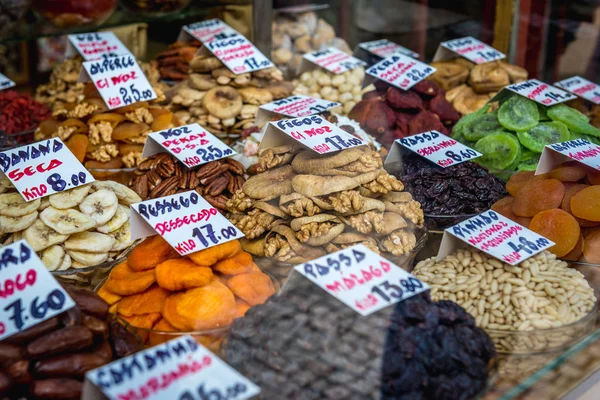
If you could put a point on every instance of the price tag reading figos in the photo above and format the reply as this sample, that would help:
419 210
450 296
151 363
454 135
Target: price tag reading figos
185 220
400 71
473 50
207 31
333 60
190 144
540 92
362 279
180 369
28 292
43 168
5 83
581 87
384 48
95 45
495 235
119 80
294 106
578 150
238 54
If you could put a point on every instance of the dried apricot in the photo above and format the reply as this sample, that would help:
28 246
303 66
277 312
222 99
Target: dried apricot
126 148
254 287
113 118
568 173
77 126
48 127
212 255
131 107
577 251
113 309
518 180
593 177
149 301
78 144
150 253
157 338
538 196
240 263
240 308
504 207
181 273
128 130
162 118
591 248
108 297
144 321
585 204
132 283
560 227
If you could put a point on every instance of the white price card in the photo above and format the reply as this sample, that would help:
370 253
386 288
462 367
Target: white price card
207 31
332 59
43 168
180 369
119 80
435 147
95 45
190 144
362 279
581 87
238 54
400 71
384 48
29 294
469 48
293 106
540 92
578 150
5 83
495 235
314 132
185 220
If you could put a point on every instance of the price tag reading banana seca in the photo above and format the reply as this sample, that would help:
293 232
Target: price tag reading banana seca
362 279
190 144
473 50
5 83
332 59
179 369
578 150
185 220
495 235
435 147
581 87
540 92
293 106
43 168
95 45
238 54
400 71
384 48
29 294
207 31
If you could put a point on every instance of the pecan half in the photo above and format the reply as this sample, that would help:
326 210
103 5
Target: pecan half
235 166
219 201
166 169
217 186
166 186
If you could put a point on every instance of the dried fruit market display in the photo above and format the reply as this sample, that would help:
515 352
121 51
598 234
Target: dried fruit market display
19 113
173 63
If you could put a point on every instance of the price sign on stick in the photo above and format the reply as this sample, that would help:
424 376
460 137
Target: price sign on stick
332 59
581 87
43 168
362 279
471 49
28 292
400 71
540 92
207 31
5 83
95 45
293 106
384 48
185 220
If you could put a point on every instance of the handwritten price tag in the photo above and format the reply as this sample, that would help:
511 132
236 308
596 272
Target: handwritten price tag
190 144
185 220
238 54
473 50
5 83
28 292
119 80
362 279
579 150
333 60
43 168
401 71
581 87
207 31
495 235
179 369
384 48
540 92
95 45
294 106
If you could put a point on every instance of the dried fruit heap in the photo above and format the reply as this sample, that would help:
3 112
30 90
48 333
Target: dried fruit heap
173 63
19 112
156 289
50 359
163 175
305 344
74 229
302 205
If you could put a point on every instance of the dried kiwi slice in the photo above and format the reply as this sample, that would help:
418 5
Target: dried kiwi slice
459 127
499 151
543 110
529 161
591 139
544 133
518 114
573 119
483 125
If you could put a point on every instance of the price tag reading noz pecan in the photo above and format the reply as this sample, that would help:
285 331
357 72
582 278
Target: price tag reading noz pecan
362 279
540 92
43 168
207 31
333 60
581 87
473 50
179 369
28 292
579 150
495 235
5 83
238 54
400 71
190 144
119 80
185 220
95 45
384 48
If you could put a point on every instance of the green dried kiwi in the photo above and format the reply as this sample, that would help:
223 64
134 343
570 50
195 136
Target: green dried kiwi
459 127
529 161
483 125
591 139
499 151
543 110
513 166
573 119
518 114
544 133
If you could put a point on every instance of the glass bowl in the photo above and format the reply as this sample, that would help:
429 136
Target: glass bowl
71 13
155 7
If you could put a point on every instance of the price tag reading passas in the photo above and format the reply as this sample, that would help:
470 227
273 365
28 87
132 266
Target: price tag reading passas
29 294
540 92
334 60
581 87
185 220
43 168
207 31
95 45
238 54
362 279
180 369
400 71
119 80
384 48
473 50
5 83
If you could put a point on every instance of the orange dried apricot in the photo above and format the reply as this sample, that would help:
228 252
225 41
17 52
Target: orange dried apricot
254 287
113 118
560 227
48 127
113 309
212 255
585 204
133 283
77 125
126 148
78 144
591 247
108 297
149 301
144 321
504 207
240 308
131 107
538 196
240 263
568 172
157 338
114 163
128 130
518 180
593 176
569 193
577 251
151 252
90 92
162 118
181 273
